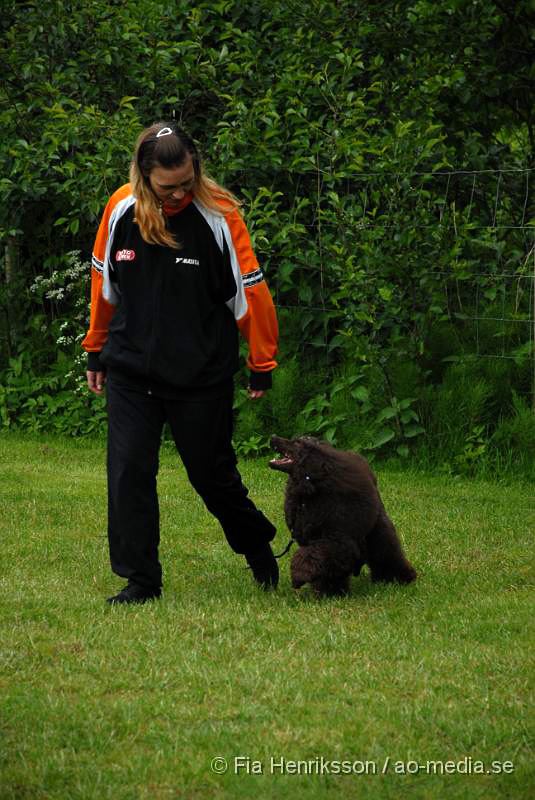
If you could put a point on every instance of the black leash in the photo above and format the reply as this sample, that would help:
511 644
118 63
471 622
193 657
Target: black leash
290 543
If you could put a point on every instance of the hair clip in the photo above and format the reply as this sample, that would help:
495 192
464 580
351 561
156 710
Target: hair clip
164 132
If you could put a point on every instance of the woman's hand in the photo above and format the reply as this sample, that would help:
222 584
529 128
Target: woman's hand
96 381
256 393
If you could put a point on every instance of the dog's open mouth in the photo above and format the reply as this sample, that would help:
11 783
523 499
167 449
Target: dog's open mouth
284 461
281 463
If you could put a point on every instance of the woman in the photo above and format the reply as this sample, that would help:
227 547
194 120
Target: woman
174 279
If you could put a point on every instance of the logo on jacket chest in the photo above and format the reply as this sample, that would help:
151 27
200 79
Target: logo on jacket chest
192 261
125 255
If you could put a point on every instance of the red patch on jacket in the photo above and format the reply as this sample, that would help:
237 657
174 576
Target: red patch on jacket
125 255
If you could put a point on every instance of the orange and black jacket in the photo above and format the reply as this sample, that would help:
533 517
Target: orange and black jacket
172 316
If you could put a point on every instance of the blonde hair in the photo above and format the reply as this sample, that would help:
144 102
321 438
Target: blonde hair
168 150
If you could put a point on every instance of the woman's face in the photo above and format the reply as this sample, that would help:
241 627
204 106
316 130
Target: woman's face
170 185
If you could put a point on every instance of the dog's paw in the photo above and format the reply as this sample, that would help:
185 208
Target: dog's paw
332 588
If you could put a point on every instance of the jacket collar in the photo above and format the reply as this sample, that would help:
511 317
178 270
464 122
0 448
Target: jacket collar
171 210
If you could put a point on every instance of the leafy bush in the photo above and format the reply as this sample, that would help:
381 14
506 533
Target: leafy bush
58 402
514 436
380 159
54 398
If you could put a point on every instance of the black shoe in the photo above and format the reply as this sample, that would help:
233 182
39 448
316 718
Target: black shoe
264 566
134 593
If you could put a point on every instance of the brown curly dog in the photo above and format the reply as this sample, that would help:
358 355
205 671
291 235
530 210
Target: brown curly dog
335 513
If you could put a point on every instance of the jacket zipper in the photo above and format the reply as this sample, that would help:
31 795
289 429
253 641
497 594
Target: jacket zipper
156 274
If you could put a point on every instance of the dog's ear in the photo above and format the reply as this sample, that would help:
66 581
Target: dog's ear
313 464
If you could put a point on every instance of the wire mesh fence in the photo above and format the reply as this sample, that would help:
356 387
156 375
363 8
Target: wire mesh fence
463 239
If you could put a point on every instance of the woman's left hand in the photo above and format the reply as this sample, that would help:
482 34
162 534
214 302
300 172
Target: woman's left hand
256 393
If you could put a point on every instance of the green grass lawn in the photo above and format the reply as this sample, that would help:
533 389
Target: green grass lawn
137 702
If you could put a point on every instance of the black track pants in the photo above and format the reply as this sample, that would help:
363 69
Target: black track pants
202 430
